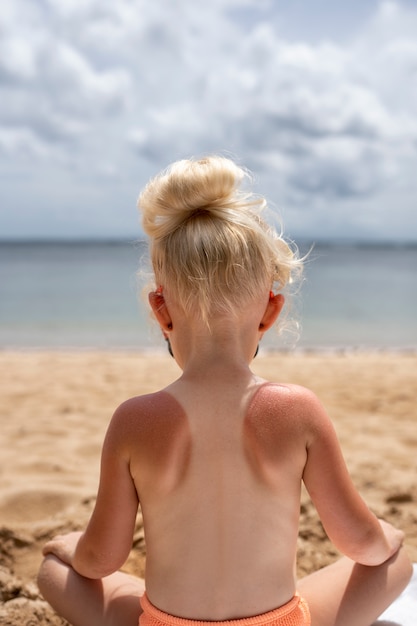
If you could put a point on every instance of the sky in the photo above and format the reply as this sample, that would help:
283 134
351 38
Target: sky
317 98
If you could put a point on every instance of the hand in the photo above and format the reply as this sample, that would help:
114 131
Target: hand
63 547
394 536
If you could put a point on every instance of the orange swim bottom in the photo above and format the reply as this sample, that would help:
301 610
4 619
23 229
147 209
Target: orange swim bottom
294 613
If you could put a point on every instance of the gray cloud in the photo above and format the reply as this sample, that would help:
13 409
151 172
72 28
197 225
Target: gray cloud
100 95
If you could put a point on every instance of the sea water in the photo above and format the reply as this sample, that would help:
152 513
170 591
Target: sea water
87 295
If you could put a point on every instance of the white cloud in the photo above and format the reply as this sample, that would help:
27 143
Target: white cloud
91 88
21 141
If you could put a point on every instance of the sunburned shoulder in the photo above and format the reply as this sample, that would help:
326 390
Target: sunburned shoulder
298 402
143 402
149 427
147 414
290 392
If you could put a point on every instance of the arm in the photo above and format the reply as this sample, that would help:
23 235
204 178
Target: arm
107 540
349 523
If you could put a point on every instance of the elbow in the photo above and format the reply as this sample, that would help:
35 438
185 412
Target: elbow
92 571
96 566
369 550
98 558
376 555
370 558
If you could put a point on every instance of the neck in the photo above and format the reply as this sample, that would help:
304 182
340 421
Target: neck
224 352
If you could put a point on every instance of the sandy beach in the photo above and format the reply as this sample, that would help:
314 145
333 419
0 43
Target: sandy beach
55 407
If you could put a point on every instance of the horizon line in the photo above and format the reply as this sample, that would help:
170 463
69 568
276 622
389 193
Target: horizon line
100 240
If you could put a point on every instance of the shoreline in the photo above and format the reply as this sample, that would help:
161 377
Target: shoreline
156 350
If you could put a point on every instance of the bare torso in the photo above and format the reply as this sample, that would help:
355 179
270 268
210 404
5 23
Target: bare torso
219 477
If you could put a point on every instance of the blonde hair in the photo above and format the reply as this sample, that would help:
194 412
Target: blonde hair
208 241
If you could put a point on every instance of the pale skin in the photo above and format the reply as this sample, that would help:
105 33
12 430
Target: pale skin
219 486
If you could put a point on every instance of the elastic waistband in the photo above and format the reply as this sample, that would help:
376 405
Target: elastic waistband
263 618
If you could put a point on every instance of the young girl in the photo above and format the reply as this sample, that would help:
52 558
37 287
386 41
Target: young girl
216 460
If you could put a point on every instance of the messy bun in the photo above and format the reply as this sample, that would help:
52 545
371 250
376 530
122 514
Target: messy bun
188 188
208 241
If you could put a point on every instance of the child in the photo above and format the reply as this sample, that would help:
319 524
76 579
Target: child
217 459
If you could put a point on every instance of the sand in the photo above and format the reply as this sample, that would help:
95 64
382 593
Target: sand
55 407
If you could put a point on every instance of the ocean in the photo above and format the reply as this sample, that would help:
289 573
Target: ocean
71 295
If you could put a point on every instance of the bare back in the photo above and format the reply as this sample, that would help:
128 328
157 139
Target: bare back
219 483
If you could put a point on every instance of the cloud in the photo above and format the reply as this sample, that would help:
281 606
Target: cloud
102 91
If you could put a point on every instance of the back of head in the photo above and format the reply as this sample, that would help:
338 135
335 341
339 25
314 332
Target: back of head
209 244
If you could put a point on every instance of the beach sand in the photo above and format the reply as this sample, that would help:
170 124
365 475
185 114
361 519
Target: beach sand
55 407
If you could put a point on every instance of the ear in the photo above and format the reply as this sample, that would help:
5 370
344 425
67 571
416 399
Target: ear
273 309
160 310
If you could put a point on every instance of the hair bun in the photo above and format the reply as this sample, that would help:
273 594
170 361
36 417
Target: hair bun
187 187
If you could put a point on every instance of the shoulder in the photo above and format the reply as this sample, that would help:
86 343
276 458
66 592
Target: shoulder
293 397
141 408
290 404
154 433
147 417
277 427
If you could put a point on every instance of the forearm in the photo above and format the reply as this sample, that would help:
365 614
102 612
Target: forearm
77 550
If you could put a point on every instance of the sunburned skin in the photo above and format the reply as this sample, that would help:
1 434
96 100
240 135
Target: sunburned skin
242 524
160 446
